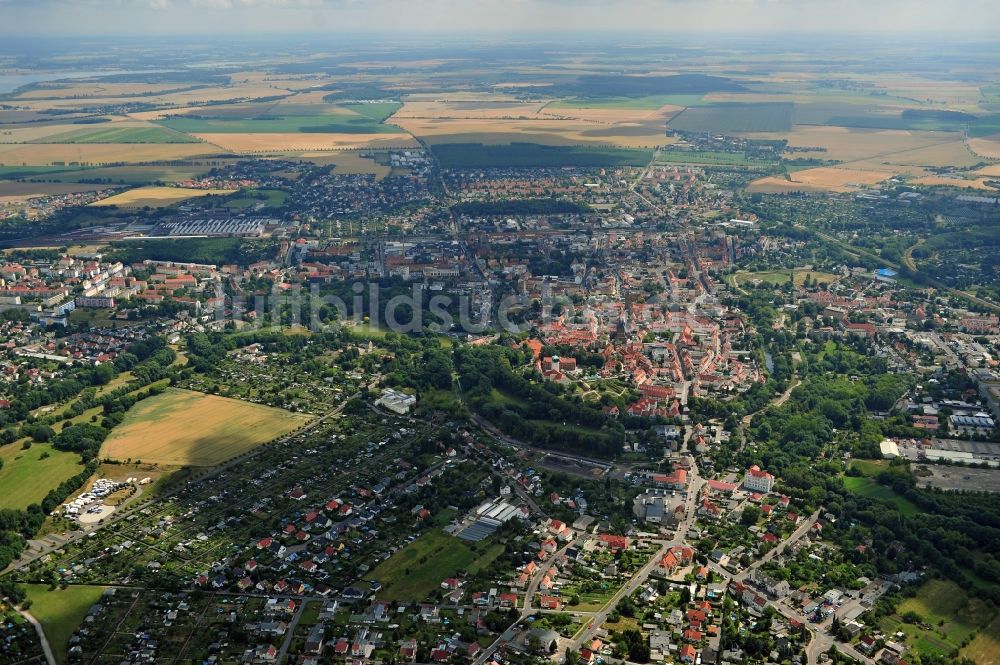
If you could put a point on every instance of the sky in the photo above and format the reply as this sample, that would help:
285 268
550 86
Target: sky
747 17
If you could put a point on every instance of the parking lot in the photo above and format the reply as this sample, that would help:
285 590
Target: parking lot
960 478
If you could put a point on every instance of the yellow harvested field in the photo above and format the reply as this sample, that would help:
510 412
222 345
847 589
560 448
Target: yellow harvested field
45 154
156 197
24 134
160 114
550 132
851 144
820 179
615 116
932 180
469 109
295 141
951 153
348 161
460 97
988 147
84 89
991 170
186 428
179 99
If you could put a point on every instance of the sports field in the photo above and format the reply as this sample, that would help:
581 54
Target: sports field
28 475
60 611
420 567
187 428
156 197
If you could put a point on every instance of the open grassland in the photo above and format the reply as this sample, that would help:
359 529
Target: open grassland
61 611
157 197
821 179
984 649
28 475
101 154
254 143
871 489
414 571
185 428
948 616
781 277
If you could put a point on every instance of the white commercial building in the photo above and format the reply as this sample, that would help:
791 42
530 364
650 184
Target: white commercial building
757 480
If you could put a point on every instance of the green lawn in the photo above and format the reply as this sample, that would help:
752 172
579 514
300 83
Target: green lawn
420 567
61 611
26 478
871 489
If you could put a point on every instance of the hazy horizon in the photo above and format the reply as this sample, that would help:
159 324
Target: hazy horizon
739 18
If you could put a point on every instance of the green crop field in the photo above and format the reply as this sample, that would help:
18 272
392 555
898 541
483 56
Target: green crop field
420 567
342 123
732 117
478 155
28 475
871 489
121 135
377 111
60 611
708 157
186 428
651 102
